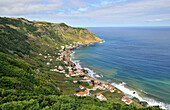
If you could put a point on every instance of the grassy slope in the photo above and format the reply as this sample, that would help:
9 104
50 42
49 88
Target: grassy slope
25 78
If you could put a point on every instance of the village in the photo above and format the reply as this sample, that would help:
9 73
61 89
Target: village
95 88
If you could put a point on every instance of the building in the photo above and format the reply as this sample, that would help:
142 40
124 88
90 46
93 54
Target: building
90 83
95 81
54 70
81 87
67 75
94 88
75 81
100 96
89 79
63 71
102 88
123 99
62 47
87 92
60 67
80 94
112 90
128 102
97 86
73 75
85 77
109 87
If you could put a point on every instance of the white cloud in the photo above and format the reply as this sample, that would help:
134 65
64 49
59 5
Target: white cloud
24 7
87 12
155 20
128 12
158 20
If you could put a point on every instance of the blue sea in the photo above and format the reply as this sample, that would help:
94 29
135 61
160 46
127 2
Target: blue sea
134 58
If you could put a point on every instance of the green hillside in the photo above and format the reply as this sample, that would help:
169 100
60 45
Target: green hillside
26 82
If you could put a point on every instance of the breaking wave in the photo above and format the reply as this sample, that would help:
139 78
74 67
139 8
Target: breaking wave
130 92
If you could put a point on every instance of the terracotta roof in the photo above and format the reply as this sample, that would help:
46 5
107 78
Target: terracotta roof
81 86
98 94
128 101
111 89
108 87
96 85
89 82
86 91
80 93
123 99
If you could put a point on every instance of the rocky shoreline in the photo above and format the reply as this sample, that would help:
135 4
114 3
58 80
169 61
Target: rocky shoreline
124 99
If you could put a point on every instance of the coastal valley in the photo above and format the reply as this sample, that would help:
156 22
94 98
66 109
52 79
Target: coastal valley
37 72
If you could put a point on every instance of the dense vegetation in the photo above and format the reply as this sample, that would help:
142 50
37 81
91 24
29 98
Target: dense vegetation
25 79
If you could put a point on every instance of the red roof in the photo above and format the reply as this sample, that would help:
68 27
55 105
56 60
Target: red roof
80 93
128 101
81 86
95 80
123 99
108 87
86 91
98 94
111 89
96 85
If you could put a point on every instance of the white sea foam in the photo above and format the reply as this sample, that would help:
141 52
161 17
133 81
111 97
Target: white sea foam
77 63
128 91
91 73
98 76
103 41
72 55
121 86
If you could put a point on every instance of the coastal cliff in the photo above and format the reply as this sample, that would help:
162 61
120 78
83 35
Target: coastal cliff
27 35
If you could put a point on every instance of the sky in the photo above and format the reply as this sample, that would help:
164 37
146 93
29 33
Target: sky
91 13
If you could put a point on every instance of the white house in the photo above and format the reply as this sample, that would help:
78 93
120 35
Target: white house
73 75
81 87
67 75
48 63
128 102
62 47
74 81
60 67
80 94
54 70
123 99
100 96
112 90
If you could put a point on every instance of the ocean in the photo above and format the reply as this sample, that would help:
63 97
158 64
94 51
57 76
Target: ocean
136 59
